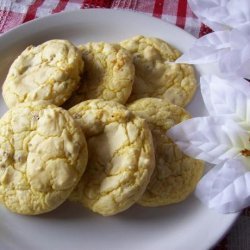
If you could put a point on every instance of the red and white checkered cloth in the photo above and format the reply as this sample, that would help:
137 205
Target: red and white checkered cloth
15 12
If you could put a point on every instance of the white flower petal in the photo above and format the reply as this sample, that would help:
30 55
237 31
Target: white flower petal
226 187
212 139
229 97
221 14
236 62
207 49
210 12
238 13
240 37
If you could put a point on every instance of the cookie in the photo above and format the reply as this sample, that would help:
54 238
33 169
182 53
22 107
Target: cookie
175 175
156 74
43 154
121 156
51 71
109 74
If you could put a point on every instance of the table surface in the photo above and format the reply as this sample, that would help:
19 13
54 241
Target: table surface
177 12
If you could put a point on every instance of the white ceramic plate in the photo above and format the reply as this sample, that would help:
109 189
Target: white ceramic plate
185 226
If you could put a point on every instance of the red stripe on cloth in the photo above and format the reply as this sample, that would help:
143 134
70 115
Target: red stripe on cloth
181 13
87 4
31 12
97 4
204 30
158 8
60 6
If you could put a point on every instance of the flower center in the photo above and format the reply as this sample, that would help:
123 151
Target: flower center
245 152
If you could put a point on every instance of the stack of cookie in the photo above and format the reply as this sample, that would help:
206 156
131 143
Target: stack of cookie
106 147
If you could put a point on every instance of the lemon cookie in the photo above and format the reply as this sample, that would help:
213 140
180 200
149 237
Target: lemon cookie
43 154
176 174
121 156
109 73
51 71
156 74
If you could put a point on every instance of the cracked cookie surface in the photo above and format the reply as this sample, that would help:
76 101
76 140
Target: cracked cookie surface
175 175
109 73
43 154
156 74
121 156
50 71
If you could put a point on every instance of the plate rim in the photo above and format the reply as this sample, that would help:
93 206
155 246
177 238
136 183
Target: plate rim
81 11
24 26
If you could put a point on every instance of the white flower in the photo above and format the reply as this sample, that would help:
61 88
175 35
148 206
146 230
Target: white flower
223 139
229 44
221 14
